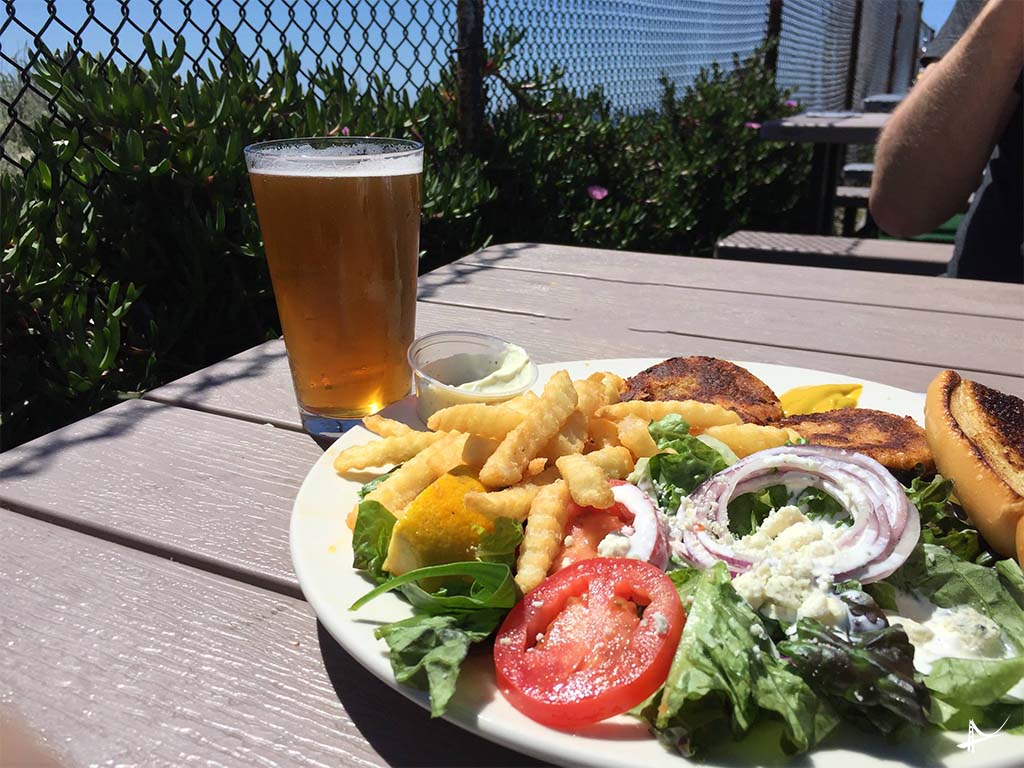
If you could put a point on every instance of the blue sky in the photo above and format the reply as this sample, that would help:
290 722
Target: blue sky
425 23
936 11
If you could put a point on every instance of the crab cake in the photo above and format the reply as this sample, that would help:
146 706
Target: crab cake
708 380
898 443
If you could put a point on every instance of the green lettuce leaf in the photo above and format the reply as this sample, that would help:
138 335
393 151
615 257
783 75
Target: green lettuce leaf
724 678
968 689
868 677
674 475
938 575
499 545
371 538
944 522
427 651
370 486
666 430
749 510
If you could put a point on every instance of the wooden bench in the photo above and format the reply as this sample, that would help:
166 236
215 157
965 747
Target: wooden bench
858 173
840 252
852 200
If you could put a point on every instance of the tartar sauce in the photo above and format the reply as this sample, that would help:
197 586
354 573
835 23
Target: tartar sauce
512 372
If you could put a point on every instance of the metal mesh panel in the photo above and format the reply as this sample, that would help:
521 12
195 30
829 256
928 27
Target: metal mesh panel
814 51
874 56
405 39
624 46
908 49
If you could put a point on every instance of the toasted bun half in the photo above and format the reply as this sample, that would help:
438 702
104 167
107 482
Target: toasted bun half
976 435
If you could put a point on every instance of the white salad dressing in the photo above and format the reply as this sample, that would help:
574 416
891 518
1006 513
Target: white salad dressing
962 632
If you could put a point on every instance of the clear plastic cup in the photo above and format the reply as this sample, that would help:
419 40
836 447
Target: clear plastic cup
443 361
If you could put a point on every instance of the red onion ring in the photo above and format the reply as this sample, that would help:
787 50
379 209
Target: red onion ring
886 525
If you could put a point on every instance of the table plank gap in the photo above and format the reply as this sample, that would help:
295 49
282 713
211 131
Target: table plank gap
177 554
157 396
699 287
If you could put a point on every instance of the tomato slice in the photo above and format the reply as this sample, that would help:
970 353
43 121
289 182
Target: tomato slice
592 641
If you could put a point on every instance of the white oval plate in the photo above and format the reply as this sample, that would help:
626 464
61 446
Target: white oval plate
321 546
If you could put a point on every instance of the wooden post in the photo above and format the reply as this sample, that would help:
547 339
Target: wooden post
851 74
915 48
773 35
895 47
470 21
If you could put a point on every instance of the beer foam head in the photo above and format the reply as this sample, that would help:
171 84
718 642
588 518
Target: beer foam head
335 157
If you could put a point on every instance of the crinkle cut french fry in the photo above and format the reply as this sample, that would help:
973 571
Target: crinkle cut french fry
506 465
635 435
390 450
587 482
571 438
478 450
616 461
745 439
590 395
511 502
698 415
399 489
493 421
523 404
542 538
385 427
603 433
611 386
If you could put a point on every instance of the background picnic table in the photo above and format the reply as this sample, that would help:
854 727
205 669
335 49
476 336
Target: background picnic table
151 613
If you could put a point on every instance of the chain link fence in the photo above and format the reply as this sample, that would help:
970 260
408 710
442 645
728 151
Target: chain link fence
622 46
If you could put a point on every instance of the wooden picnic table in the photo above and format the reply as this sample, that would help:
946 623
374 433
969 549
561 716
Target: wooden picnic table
151 614
830 133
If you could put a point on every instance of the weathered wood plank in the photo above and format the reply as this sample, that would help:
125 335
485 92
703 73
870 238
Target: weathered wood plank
856 128
970 297
207 490
928 338
267 396
115 657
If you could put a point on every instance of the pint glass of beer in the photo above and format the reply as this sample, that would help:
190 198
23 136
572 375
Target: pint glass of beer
341 221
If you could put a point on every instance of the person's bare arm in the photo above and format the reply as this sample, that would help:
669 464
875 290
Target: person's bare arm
932 152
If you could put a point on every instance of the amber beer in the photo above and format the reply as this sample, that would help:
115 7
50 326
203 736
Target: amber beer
340 221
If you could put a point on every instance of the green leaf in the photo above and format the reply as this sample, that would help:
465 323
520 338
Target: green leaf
499 545
45 177
674 475
370 486
107 161
867 677
490 586
727 675
371 537
427 652
944 522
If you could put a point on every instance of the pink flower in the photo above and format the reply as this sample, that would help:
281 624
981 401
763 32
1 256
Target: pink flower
597 192
752 126
344 131
790 103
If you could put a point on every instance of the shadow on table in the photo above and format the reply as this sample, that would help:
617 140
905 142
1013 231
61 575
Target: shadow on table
400 731
460 271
